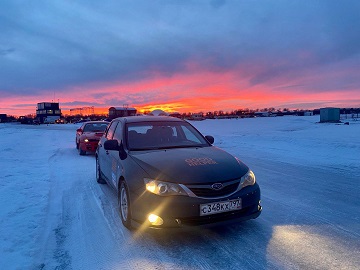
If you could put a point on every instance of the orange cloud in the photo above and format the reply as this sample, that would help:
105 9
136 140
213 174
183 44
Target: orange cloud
194 90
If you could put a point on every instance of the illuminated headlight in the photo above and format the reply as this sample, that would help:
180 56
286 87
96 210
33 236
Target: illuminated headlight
163 188
86 140
248 179
155 220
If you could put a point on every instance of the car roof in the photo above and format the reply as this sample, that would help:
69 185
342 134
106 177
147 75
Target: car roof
96 122
137 119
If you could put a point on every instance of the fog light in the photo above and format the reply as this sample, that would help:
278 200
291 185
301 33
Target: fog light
155 220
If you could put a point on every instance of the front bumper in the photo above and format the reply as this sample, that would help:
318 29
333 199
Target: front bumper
89 146
181 211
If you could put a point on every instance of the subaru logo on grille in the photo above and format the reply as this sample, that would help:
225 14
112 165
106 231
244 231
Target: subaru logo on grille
217 186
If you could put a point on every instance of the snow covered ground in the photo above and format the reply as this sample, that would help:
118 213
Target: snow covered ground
53 214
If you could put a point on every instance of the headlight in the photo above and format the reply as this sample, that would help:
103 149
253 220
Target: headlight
163 188
248 179
86 140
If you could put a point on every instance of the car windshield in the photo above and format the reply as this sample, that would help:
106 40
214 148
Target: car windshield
161 135
95 127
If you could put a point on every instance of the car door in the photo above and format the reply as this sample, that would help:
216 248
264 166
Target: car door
104 155
115 161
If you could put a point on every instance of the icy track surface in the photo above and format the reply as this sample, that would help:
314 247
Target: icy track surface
53 214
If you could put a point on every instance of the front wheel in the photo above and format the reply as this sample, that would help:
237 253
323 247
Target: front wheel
124 205
81 152
99 178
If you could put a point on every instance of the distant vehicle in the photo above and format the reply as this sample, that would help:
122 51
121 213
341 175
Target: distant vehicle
51 119
60 121
167 174
88 136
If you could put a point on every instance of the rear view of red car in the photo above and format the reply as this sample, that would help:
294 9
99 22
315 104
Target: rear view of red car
88 136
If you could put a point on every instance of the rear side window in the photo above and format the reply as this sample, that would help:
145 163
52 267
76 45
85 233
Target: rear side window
111 130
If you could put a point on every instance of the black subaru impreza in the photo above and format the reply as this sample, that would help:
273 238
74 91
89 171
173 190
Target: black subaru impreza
167 174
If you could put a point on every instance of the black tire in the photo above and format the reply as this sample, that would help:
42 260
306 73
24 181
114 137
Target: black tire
124 205
77 145
99 178
82 152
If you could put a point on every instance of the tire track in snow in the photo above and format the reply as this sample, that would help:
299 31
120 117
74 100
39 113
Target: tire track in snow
81 238
54 254
139 251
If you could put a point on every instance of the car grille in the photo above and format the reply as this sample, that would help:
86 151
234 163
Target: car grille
206 191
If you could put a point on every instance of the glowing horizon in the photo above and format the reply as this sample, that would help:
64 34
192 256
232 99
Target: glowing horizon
195 91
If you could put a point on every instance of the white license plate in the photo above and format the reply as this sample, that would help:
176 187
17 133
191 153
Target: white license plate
220 207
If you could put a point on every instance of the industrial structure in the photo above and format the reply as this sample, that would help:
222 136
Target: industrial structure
82 111
48 112
115 112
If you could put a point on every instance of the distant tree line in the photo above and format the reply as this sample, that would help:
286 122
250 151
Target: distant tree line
240 113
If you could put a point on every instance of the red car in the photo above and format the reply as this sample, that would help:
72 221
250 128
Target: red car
88 136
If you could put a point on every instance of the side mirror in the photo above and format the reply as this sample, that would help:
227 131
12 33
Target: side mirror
114 145
111 145
210 139
79 130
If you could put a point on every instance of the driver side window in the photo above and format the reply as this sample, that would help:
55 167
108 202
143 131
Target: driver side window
110 131
118 133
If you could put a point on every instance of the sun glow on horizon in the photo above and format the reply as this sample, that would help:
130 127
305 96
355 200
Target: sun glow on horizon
195 91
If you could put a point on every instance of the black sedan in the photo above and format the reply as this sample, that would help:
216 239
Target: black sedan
167 174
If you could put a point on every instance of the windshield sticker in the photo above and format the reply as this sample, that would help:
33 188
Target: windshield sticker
200 161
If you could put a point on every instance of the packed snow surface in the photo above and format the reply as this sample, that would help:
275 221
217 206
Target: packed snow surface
53 214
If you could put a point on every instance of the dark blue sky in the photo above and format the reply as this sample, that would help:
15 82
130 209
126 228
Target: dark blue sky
304 53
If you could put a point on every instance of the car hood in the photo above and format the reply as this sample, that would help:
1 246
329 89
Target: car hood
190 165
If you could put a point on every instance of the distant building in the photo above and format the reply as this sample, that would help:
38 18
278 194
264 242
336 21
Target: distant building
158 113
262 114
48 112
176 114
329 115
3 118
115 112
196 117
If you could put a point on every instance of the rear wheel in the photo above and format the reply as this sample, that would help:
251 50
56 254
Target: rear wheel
99 178
124 205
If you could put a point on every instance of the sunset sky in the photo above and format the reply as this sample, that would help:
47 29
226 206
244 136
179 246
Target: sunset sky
182 56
